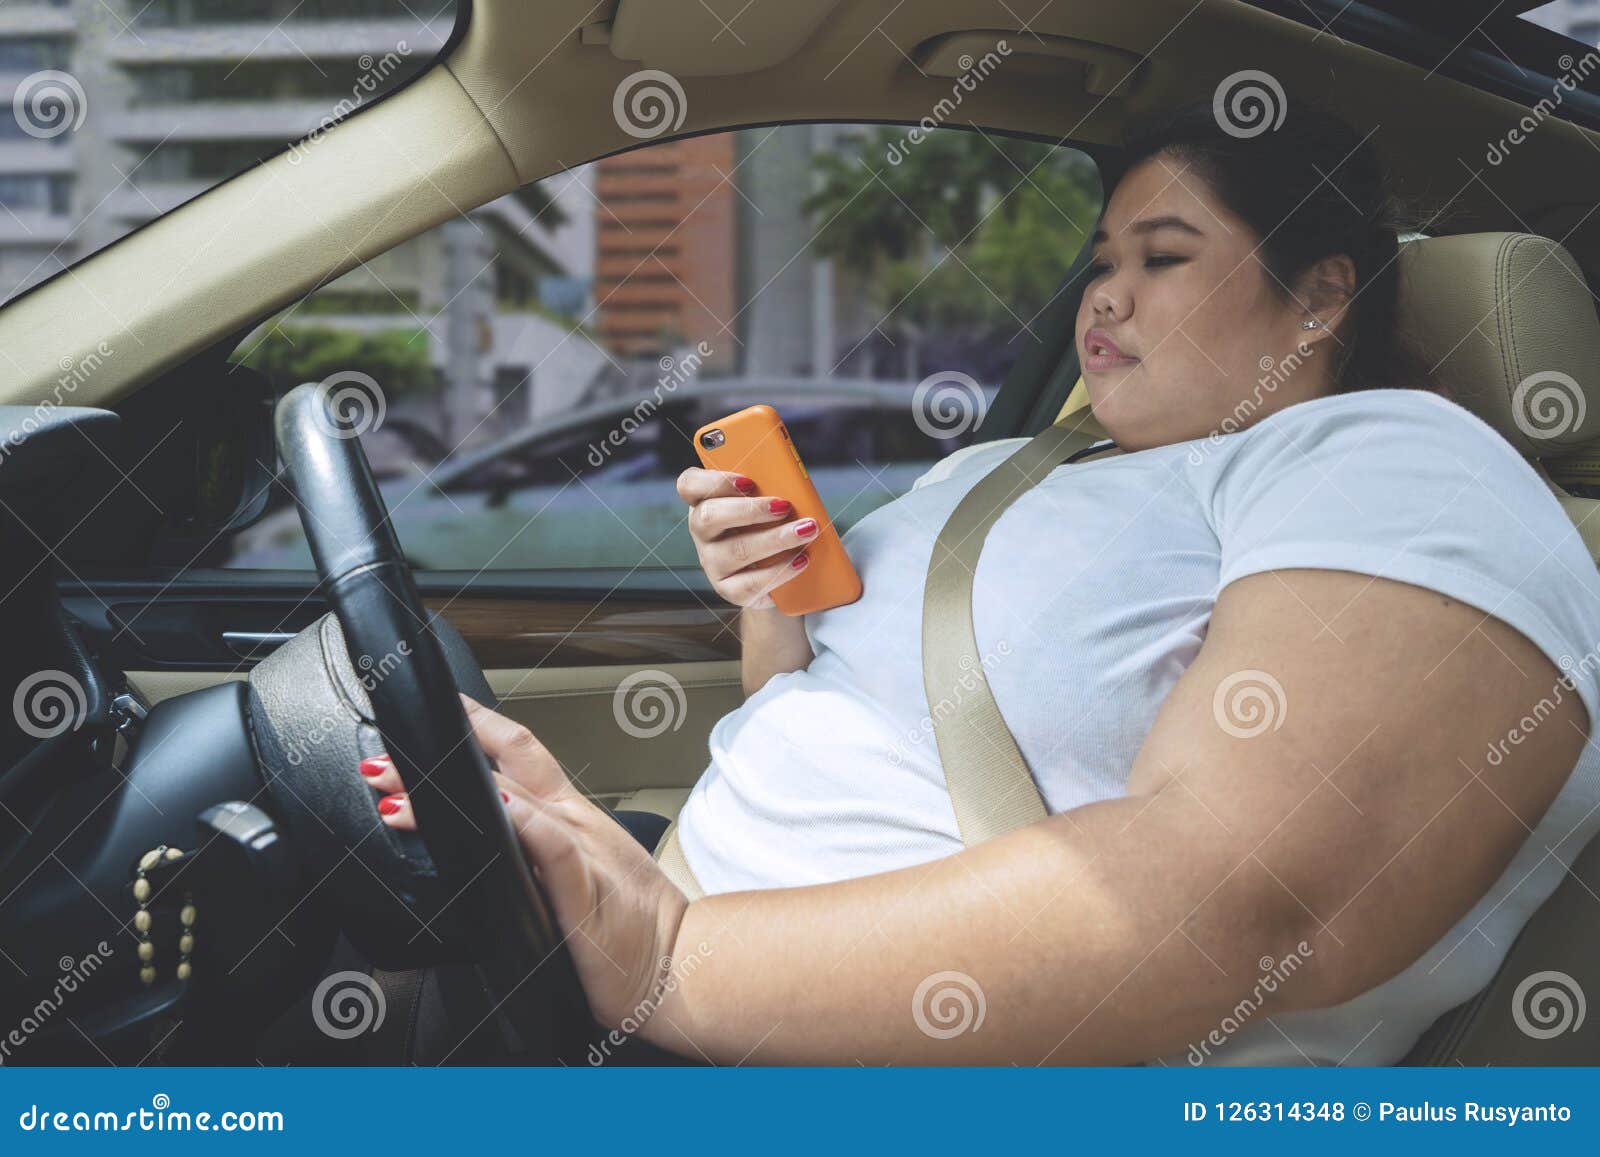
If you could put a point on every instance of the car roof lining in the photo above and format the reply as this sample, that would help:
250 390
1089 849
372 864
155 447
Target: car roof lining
528 91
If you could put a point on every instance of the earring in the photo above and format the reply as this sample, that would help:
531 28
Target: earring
1312 324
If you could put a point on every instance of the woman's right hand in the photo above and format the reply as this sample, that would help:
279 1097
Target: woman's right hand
747 545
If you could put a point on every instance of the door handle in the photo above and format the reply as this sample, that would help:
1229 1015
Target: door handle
255 644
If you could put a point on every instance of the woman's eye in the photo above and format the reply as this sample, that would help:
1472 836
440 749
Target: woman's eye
1161 260
1098 269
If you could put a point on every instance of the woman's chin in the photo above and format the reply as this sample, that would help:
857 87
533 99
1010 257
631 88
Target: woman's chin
1114 407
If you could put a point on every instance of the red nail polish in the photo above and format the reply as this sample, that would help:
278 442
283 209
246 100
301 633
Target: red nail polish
505 797
745 484
798 561
780 506
374 766
390 804
806 527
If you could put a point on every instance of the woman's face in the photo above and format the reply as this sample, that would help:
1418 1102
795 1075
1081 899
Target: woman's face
1180 332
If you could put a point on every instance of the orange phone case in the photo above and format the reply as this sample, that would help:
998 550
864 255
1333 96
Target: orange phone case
758 446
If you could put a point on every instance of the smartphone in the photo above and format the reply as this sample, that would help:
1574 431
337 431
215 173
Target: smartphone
754 442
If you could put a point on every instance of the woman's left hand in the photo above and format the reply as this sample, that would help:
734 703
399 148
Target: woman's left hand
619 912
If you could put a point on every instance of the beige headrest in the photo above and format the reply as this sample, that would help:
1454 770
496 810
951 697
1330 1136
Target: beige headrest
1508 325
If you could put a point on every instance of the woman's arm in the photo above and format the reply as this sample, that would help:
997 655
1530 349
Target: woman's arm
1319 784
1349 819
770 643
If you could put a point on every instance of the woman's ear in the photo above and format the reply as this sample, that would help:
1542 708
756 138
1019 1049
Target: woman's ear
1324 296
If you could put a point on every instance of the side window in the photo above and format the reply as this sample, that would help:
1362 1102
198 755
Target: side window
528 376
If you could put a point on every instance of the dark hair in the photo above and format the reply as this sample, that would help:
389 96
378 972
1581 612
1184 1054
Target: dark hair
1310 188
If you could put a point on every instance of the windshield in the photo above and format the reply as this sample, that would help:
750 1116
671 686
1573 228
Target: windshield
123 109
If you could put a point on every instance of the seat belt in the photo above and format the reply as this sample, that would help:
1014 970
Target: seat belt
991 788
670 858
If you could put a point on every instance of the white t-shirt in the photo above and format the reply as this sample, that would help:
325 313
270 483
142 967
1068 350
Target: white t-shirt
1092 596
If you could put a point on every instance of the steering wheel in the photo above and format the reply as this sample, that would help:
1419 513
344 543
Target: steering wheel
459 889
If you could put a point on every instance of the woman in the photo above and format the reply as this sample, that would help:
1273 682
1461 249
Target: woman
1368 565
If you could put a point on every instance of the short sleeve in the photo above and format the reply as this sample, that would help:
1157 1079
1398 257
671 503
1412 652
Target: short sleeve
1405 485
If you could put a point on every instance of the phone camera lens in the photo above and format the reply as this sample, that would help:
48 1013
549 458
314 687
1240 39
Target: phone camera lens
711 439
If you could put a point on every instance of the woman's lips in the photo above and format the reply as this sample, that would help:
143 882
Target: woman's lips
1101 353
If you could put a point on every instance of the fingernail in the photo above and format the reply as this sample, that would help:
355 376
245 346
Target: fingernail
806 527
798 561
780 506
745 484
374 766
390 804
505 797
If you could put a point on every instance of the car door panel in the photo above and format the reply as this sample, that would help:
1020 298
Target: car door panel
623 686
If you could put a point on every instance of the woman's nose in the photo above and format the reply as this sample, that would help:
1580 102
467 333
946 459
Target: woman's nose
1109 303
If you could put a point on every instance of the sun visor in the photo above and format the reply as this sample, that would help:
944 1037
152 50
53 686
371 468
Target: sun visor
1107 71
714 37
